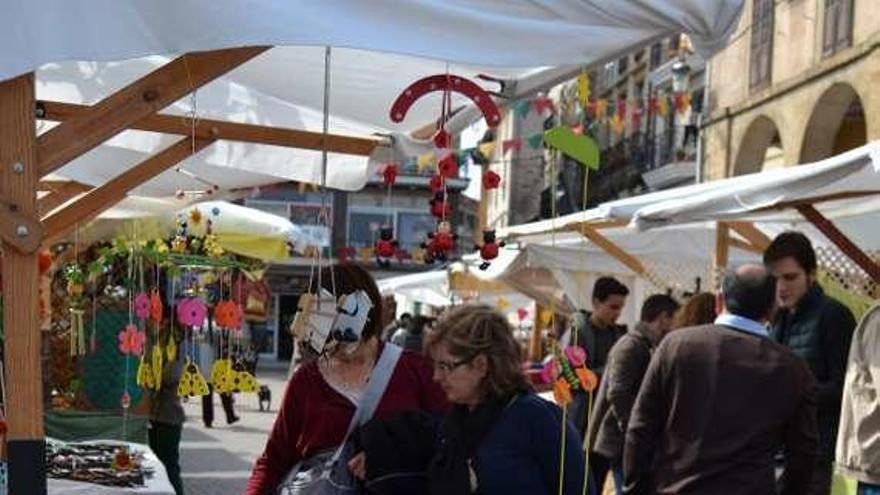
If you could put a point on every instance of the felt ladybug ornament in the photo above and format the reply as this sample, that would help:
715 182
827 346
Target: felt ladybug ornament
386 247
440 207
436 183
389 174
491 180
440 243
447 166
489 250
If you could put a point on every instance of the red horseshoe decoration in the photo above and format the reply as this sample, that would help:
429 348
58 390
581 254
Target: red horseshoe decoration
443 82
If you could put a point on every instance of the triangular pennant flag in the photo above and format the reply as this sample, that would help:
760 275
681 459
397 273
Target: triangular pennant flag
522 108
581 148
536 140
618 124
487 149
425 160
652 106
601 108
583 88
637 117
464 155
682 102
663 106
511 144
542 104
621 108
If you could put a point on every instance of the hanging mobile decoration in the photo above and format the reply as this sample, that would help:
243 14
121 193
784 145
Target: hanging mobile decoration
440 206
436 183
386 247
75 288
440 243
490 248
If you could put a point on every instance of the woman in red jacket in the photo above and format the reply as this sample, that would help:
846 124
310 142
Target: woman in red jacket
322 395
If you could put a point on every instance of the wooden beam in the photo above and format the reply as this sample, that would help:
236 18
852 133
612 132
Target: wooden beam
536 336
105 196
60 194
229 131
26 445
55 185
751 233
613 249
722 250
139 99
840 239
745 246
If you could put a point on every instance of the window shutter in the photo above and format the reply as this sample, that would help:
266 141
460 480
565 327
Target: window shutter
843 38
830 26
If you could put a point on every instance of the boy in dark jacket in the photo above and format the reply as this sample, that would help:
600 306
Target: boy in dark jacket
817 328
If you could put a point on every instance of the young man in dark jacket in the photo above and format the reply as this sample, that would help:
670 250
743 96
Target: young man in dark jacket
627 363
818 329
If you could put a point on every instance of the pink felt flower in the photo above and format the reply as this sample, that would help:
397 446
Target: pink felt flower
191 312
131 340
548 374
142 306
576 355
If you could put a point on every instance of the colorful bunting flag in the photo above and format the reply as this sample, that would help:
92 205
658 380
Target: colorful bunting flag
425 160
487 149
601 109
536 140
663 106
522 108
511 144
621 108
583 89
618 125
542 104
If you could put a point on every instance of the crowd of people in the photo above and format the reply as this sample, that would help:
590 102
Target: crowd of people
731 393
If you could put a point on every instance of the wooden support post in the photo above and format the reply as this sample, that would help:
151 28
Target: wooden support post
105 196
19 174
722 251
613 249
751 233
228 131
745 246
139 99
840 240
535 348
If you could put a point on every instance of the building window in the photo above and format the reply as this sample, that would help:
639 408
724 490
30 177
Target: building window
413 229
622 65
363 227
761 61
837 34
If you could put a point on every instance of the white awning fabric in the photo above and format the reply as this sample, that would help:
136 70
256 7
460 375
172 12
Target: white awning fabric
83 51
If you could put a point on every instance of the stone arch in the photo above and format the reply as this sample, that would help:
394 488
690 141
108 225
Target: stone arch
760 146
837 124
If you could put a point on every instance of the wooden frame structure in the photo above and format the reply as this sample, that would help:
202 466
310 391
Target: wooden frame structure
27 223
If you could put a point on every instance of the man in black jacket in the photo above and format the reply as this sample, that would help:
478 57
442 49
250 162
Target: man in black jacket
627 363
817 328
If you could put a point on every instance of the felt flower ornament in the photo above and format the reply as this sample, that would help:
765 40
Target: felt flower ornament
549 372
228 315
155 306
576 355
491 180
131 340
191 312
142 306
448 166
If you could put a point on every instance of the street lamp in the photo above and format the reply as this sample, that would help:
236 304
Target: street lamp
681 75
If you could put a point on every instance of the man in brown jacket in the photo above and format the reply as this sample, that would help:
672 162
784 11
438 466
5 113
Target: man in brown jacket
719 401
627 363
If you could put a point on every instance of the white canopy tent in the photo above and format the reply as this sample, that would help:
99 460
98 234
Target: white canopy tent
380 48
82 43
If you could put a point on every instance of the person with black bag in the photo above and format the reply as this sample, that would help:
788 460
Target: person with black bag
327 399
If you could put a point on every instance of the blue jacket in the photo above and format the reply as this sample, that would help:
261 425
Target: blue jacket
521 453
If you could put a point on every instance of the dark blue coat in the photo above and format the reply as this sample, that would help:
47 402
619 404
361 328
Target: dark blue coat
521 453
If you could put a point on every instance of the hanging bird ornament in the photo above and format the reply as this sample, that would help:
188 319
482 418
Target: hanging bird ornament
490 248
440 243
386 247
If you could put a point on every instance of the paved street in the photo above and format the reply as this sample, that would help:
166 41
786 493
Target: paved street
218 461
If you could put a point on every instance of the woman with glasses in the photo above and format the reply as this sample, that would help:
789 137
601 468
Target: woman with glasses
499 438
323 394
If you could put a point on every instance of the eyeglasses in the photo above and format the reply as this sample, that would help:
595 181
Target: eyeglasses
445 367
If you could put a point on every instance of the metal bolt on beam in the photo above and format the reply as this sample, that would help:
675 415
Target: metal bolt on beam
22 231
18 167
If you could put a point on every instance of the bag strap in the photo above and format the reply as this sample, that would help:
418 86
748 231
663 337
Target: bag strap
376 386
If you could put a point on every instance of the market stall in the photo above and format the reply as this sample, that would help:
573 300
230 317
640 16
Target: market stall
93 106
